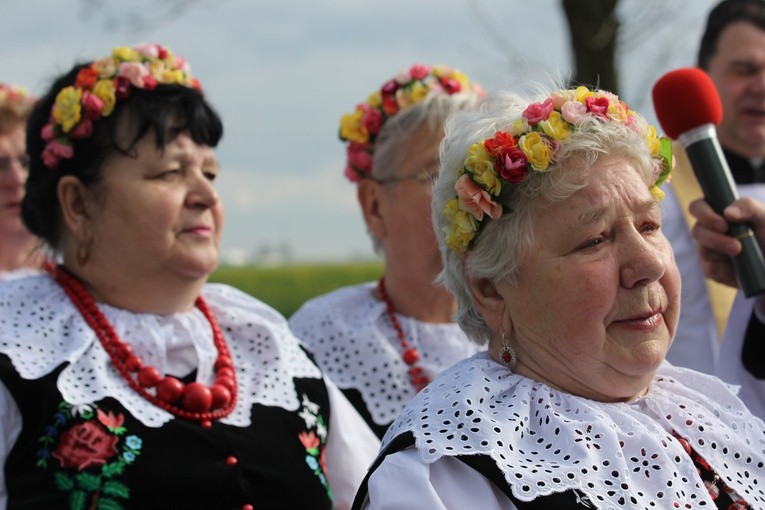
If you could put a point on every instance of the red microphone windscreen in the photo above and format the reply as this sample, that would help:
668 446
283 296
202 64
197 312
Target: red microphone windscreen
685 99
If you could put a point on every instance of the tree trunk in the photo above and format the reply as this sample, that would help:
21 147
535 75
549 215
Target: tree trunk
594 28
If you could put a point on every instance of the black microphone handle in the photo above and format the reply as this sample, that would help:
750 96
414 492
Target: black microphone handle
713 174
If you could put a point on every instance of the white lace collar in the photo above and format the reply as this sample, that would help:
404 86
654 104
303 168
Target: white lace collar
40 329
19 273
351 337
546 441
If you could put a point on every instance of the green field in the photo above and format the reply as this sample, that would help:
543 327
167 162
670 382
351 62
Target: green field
287 287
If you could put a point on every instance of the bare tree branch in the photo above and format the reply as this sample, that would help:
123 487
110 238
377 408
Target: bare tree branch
139 15
635 38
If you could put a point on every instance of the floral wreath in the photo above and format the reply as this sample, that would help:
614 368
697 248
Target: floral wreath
16 99
100 85
530 144
406 89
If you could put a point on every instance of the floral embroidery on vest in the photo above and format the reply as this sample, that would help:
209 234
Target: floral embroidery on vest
314 440
89 451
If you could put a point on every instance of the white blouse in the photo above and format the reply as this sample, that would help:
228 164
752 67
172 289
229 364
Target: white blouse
40 329
696 342
730 367
350 334
546 441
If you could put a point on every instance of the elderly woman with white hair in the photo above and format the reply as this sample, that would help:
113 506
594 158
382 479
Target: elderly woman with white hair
548 210
382 342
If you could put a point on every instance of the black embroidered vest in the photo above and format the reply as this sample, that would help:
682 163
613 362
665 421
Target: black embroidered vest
100 457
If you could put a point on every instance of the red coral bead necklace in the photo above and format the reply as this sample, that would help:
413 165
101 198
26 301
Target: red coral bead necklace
193 401
410 356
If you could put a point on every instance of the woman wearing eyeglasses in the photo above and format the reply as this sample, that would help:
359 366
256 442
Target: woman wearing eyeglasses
18 247
382 342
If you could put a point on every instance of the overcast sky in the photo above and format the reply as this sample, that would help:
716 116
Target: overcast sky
281 73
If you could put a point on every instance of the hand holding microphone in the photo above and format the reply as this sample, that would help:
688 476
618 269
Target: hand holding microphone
710 232
688 108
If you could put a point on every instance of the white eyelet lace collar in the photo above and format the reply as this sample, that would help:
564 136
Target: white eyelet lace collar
40 329
349 333
546 441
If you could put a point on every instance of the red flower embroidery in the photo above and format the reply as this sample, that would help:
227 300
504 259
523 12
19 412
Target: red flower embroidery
85 445
109 420
309 440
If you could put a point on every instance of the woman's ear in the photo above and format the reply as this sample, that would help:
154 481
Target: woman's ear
490 304
370 198
75 200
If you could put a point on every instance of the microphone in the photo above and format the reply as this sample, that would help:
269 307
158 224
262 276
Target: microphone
688 108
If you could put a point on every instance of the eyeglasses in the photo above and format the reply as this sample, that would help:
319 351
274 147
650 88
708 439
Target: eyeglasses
7 161
423 177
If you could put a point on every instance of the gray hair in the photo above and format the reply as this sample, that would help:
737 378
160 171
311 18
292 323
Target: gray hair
498 250
429 114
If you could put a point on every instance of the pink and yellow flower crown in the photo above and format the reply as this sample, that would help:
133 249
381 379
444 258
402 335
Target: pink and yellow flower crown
360 128
530 144
15 99
100 85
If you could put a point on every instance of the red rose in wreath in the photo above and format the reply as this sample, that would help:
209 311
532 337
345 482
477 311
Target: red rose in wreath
84 445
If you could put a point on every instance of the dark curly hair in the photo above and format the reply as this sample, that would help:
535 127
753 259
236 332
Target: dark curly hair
167 111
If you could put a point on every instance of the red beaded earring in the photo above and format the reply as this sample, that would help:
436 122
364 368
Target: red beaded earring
507 355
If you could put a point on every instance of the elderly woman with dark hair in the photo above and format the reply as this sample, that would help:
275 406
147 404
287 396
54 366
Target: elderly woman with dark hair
548 210
382 342
127 381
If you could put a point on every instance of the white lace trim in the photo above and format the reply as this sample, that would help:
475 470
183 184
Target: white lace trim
40 329
19 273
350 335
620 455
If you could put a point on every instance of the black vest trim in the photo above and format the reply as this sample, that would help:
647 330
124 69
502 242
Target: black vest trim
401 442
753 350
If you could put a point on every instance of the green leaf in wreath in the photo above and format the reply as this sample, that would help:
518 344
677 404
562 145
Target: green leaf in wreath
78 500
88 481
63 481
109 504
116 489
